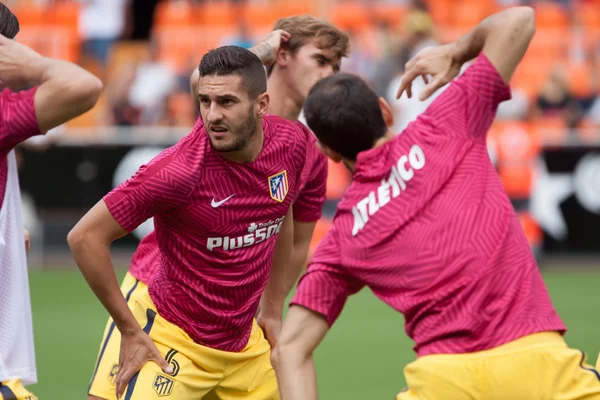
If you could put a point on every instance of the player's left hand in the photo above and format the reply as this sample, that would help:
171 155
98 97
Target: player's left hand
271 326
438 61
27 240
272 43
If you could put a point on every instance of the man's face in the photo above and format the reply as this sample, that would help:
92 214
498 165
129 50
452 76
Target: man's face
227 111
309 65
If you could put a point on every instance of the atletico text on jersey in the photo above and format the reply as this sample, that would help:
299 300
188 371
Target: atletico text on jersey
307 207
427 225
216 224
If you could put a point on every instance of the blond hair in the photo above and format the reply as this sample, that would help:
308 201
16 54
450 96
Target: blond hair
306 28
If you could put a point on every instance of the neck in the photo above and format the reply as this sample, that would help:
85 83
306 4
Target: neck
252 149
282 101
351 164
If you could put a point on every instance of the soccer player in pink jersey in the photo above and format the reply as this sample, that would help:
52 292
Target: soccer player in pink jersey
312 49
219 198
61 92
428 227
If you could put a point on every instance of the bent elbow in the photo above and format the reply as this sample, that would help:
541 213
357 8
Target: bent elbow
90 90
525 18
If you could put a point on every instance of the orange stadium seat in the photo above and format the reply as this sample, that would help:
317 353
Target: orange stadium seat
441 11
392 14
517 179
551 15
349 14
217 13
532 230
173 14
552 129
65 14
466 14
580 79
30 15
260 14
181 108
321 228
530 76
287 8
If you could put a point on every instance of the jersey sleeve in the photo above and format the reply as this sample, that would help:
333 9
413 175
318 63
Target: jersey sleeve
19 121
468 106
157 187
325 287
308 206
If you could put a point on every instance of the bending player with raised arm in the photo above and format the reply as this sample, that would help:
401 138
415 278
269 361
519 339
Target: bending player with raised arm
221 201
312 49
428 227
61 91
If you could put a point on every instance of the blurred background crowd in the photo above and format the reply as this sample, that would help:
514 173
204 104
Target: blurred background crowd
145 50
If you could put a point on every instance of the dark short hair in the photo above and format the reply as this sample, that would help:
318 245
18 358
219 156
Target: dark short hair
9 24
344 113
235 60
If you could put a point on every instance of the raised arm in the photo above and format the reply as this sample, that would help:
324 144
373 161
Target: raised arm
65 90
503 38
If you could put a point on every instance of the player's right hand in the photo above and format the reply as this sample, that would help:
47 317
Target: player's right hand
439 62
136 350
273 41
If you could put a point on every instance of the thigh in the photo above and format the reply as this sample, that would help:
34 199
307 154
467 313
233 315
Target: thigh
574 378
14 390
443 377
190 379
250 375
556 372
256 380
102 383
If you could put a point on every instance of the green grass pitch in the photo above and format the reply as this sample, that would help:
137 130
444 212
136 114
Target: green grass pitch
362 358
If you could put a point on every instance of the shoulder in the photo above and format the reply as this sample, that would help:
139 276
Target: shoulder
284 128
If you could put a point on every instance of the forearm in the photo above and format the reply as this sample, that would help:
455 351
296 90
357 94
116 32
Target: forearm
515 25
94 260
296 377
263 50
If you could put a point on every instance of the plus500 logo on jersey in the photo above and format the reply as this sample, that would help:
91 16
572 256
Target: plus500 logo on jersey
257 233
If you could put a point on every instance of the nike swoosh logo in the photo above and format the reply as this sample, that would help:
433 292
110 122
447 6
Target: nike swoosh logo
216 204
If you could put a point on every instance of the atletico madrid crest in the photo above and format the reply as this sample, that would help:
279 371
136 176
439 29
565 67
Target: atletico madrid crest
278 186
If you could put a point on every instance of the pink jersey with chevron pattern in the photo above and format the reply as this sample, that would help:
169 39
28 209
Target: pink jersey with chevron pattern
428 227
216 224
307 207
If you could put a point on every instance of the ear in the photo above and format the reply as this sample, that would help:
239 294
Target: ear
386 111
334 156
262 103
283 57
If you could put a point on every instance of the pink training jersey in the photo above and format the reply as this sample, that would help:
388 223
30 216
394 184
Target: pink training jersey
428 227
216 225
307 207
18 124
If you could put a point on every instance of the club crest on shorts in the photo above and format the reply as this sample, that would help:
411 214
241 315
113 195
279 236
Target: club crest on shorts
162 385
278 186
112 376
